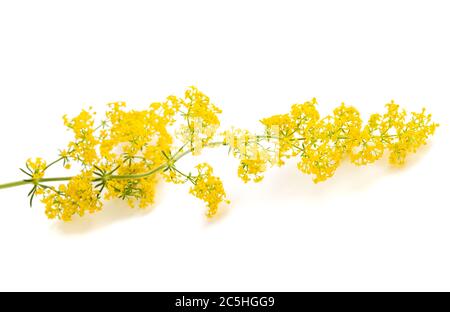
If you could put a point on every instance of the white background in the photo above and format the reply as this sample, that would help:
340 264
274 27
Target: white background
370 228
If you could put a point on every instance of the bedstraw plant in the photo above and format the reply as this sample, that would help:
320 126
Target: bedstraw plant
128 152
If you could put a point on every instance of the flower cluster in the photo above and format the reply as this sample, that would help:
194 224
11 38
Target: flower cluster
83 147
36 168
128 152
253 154
208 188
77 197
201 119
320 144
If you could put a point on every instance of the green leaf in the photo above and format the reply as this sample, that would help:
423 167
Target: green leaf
117 168
101 170
31 199
165 155
32 191
25 172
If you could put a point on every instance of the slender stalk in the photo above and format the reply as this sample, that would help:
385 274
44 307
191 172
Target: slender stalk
113 177
14 184
52 179
138 176
30 181
55 162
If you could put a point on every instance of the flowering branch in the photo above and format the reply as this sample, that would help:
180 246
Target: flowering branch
128 153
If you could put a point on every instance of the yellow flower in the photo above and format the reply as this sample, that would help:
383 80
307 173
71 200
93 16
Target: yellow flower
409 135
200 106
282 128
76 198
321 161
37 168
201 118
254 157
84 146
305 116
141 191
346 127
322 143
252 169
209 189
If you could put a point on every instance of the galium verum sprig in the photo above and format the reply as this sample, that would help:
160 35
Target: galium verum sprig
127 153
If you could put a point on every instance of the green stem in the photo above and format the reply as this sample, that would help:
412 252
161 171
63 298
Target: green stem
53 163
138 176
29 181
14 184
113 177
